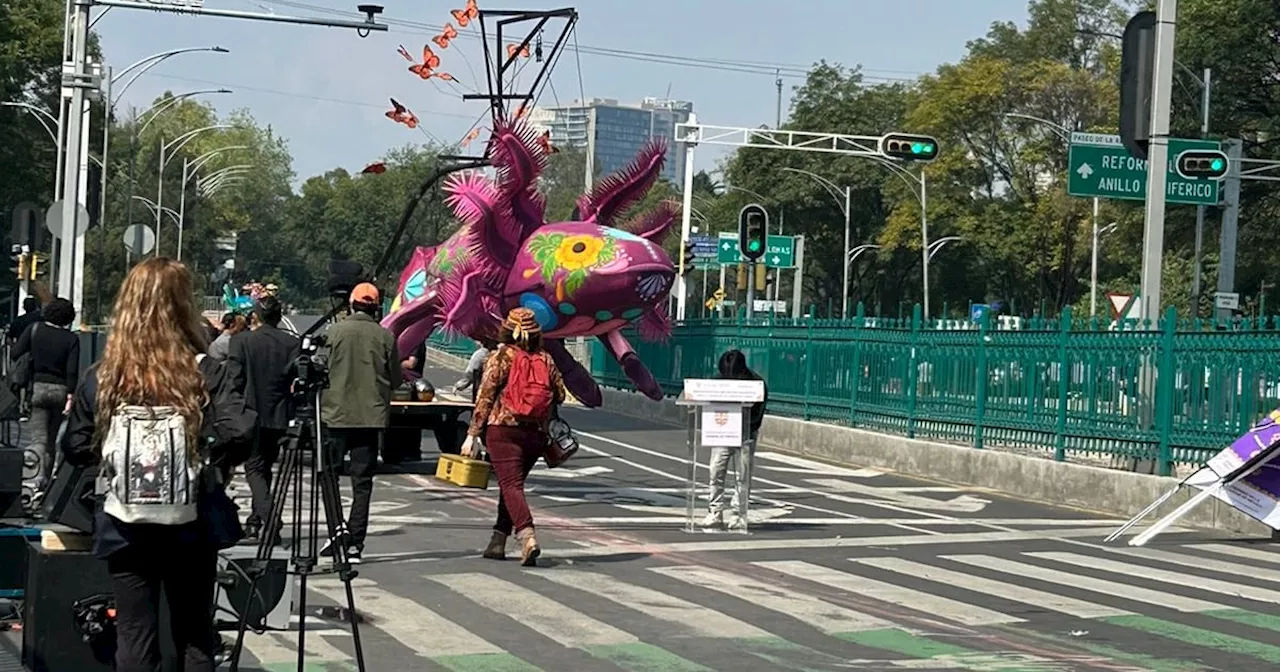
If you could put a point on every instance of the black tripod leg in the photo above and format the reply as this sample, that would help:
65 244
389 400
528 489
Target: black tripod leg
290 471
326 476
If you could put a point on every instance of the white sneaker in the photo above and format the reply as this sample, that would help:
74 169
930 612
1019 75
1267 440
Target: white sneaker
736 522
713 520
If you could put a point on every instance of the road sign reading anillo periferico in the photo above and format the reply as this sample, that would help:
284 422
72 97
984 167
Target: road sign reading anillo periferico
1099 165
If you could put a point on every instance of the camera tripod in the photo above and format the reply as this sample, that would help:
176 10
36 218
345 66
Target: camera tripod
304 439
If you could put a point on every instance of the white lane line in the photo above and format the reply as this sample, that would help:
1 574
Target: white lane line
1240 552
832 542
942 607
1128 592
1199 562
424 631
1248 592
813 466
541 614
1001 589
685 479
822 615
691 619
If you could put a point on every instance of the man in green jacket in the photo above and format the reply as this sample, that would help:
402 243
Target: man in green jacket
364 367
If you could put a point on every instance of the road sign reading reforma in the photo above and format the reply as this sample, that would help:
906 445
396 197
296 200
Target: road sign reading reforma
1098 165
779 253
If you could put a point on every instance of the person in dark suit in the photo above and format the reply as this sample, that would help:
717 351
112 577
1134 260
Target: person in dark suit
264 360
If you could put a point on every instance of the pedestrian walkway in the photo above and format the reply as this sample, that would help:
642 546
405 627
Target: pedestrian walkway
1203 606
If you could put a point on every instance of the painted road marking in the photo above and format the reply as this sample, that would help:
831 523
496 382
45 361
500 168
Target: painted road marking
566 626
1198 562
541 614
1240 552
282 647
1164 576
692 618
562 472
822 615
937 605
961 504
422 630
1080 581
978 584
808 466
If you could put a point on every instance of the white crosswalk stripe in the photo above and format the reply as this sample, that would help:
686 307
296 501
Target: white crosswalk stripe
942 607
1248 592
542 614
978 584
818 613
1240 552
694 619
1136 593
1223 566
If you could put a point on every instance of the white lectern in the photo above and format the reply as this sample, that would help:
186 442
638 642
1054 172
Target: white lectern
720 417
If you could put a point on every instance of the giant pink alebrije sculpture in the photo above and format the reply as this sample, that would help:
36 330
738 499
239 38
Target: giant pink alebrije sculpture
590 277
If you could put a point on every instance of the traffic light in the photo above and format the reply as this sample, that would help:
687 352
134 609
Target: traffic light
19 259
93 195
689 258
39 265
1203 164
753 231
1137 73
909 147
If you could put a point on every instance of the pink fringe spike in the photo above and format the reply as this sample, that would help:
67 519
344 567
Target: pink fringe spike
655 224
623 189
495 235
655 325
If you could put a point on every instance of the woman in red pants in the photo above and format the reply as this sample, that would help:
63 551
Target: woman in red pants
520 387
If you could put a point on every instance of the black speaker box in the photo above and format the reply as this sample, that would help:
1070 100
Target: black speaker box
11 482
70 501
51 641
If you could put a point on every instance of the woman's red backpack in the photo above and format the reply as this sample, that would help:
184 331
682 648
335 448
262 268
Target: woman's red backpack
528 394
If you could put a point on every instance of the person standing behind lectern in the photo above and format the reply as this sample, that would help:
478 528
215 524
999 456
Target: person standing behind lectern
265 359
733 366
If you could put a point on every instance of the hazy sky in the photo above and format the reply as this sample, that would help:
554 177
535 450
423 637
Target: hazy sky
326 89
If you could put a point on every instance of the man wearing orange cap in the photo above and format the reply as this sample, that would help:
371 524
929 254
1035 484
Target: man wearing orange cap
364 368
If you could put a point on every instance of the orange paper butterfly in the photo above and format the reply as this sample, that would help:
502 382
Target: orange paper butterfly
401 115
513 48
464 16
442 40
475 133
377 168
429 63
544 141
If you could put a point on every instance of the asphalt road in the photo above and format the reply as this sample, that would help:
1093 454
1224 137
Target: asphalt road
844 568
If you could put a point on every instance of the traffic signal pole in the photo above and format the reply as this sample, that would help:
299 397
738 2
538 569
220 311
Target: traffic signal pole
1158 156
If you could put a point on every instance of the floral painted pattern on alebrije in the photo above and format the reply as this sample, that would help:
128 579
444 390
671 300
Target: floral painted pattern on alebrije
448 258
571 257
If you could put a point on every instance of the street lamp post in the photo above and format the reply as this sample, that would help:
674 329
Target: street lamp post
1093 270
836 193
167 151
188 170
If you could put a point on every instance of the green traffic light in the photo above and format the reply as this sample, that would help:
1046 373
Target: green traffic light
917 148
1216 165
753 245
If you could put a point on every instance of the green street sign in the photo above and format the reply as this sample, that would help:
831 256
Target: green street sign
781 252
1099 166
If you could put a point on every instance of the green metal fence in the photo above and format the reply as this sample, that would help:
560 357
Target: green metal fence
1060 386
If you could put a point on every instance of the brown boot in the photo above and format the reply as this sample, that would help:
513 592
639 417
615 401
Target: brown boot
497 548
529 550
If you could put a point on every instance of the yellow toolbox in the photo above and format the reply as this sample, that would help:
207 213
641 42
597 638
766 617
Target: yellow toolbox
463 471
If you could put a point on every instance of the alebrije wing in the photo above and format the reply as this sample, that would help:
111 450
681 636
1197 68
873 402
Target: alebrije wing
616 193
477 202
515 153
655 325
655 224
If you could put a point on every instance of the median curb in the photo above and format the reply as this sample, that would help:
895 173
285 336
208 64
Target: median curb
1109 492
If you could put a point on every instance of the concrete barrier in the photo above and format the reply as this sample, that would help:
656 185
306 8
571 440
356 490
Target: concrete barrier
1108 492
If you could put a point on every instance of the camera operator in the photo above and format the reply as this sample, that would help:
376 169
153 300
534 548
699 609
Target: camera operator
364 368
264 360
155 402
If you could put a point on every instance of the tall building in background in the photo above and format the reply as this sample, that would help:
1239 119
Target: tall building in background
612 133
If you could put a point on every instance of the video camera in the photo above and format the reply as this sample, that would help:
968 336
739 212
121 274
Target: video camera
312 367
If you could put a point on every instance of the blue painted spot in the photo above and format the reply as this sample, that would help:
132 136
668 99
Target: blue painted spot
604 315
632 314
625 235
568 308
542 311
416 285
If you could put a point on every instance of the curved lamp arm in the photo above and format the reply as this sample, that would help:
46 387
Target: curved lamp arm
179 142
836 192
166 104
208 156
151 62
41 115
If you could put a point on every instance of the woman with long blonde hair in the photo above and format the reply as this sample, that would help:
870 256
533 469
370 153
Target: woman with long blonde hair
161 523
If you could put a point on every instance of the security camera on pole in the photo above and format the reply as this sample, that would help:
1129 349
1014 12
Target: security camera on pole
753 233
